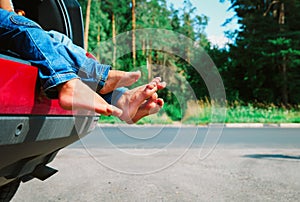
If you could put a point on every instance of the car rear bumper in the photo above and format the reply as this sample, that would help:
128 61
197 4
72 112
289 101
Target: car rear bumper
29 142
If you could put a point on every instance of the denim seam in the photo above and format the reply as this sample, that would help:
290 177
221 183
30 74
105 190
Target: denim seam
58 79
103 77
39 51
30 24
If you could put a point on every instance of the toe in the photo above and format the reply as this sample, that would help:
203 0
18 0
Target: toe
160 102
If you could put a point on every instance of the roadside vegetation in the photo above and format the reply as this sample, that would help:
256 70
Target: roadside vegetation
235 113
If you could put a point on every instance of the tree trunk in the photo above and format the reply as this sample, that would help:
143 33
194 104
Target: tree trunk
283 65
189 34
87 24
113 21
98 41
133 33
149 60
149 67
284 90
281 21
98 33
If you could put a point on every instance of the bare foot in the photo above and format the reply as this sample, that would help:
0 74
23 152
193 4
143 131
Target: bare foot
74 94
151 106
133 99
117 79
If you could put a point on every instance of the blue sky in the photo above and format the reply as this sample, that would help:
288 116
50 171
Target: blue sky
217 13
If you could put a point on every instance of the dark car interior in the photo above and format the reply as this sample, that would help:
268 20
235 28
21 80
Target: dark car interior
60 15
64 16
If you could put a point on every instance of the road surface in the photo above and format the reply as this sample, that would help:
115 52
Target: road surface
175 164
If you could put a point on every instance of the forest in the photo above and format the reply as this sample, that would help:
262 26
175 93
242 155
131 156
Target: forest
259 70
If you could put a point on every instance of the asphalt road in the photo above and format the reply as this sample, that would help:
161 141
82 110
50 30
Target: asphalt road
180 137
175 164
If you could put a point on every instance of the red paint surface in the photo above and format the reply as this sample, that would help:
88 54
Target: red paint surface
18 93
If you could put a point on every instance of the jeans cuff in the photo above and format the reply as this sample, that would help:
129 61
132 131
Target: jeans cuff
50 87
103 76
113 97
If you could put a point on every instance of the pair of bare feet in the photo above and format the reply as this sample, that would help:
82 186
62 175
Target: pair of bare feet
132 105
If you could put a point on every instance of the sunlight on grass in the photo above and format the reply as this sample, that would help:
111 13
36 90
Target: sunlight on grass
251 114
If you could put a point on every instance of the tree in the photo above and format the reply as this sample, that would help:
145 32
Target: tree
152 14
261 57
87 24
97 25
120 16
133 32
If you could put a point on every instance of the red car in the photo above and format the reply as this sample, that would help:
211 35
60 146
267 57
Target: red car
34 128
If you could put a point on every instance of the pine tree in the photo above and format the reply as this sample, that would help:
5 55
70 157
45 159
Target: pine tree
265 45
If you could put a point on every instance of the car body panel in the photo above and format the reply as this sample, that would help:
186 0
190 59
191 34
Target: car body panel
33 128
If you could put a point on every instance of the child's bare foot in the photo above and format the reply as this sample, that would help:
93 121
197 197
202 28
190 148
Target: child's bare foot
132 100
117 79
74 94
151 106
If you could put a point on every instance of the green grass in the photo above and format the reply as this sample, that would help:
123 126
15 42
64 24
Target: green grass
201 113
271 114
248 114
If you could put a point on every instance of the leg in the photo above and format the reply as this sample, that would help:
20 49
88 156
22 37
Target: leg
73 95
151 106
32 43
6 5
96 75
131 101
57 76
118 79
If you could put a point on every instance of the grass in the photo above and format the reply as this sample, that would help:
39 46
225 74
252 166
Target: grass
271 114
251 113
201 113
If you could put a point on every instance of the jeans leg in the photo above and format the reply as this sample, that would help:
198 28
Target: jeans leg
32 43
113 97
90 71
57 58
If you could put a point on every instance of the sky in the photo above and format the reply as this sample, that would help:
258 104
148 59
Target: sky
217 14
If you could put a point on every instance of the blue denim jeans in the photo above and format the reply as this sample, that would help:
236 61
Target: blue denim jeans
56 57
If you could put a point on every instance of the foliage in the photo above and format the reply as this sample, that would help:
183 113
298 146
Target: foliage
236 112
264 61
239 112
251 113
262 66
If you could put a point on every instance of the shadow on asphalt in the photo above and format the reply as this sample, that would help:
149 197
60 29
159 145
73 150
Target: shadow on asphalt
272 156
